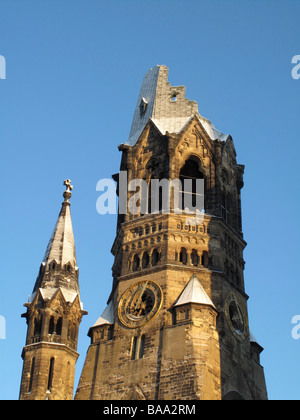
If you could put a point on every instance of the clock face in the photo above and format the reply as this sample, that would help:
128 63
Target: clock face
139 304
236 316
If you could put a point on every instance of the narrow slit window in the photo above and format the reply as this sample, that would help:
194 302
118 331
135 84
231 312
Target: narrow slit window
51 325
136 263
142 347
31 374
37 326
50 377
59 326
133 348
154 257
205 259
183 256
145 260
194 258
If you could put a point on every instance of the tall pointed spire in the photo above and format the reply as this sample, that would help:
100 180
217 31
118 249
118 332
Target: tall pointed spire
60 257
54 313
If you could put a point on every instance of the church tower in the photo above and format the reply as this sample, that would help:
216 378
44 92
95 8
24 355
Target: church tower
176 323
54 312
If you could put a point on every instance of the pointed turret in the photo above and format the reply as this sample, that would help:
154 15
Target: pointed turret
59 266
194 293
54 312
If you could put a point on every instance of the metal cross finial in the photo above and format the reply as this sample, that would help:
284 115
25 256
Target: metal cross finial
67 194
67 183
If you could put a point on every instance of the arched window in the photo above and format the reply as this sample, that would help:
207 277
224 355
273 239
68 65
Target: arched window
183 256
31 374
37 325
51 325
137 348
136 263
154 257
205 259
145 260
50 375
59 326
133 348
191 193
194 258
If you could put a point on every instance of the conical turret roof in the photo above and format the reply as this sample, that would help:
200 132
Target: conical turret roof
61 246
194 293
59 266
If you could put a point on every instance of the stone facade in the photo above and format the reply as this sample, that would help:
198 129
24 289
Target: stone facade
54 312
176 324
202 348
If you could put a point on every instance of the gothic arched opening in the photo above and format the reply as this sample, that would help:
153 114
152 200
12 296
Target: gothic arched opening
145 260
154 257
183 256
189 174
194 258
136 263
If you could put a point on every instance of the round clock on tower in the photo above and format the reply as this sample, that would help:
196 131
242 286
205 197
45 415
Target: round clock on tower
176 322
139 304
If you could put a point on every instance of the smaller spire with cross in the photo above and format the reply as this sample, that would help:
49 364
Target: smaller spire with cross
68 194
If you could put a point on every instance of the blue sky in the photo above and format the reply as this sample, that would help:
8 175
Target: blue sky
74 70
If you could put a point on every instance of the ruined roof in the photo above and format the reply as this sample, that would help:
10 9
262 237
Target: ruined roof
166 106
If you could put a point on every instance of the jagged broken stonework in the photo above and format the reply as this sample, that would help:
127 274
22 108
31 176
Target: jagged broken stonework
176 325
